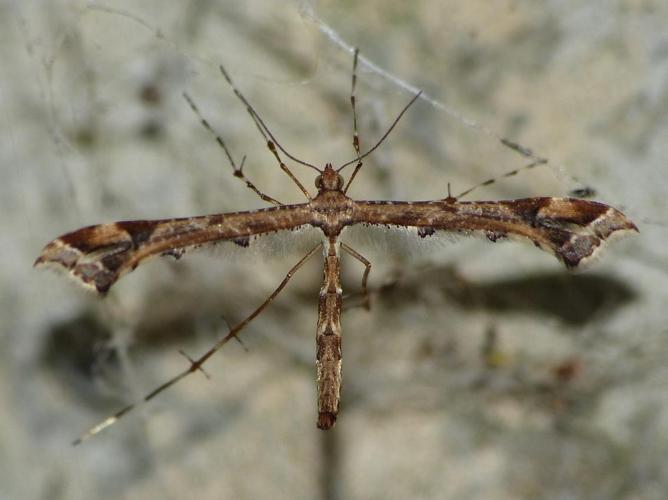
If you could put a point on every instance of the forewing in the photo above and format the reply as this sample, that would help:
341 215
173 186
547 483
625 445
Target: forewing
97 256
573 230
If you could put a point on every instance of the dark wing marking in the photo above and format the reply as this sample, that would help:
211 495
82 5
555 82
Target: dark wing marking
571 229
97 256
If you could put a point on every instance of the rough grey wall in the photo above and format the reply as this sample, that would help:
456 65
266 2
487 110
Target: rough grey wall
482 371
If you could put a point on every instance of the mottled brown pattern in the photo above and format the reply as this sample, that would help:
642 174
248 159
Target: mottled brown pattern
571 229
328 340
99 255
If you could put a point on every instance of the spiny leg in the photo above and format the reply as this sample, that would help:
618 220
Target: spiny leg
197 364
584 191
238 171
366 303
536 163
353 104
269 137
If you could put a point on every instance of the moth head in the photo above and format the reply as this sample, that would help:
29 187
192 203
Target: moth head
329 179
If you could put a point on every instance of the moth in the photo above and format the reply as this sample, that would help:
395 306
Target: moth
571 229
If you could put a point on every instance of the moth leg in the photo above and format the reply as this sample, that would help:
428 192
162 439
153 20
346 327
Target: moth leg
269 138
197 364
353 104
366 302
535 163
238 170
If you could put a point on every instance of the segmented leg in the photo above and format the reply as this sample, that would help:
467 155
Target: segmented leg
366 303
536 163
353 104
197 364
238 171
269 138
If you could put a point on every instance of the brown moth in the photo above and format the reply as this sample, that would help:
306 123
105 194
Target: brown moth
571 229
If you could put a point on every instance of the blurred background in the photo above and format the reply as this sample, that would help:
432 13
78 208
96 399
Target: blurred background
482 370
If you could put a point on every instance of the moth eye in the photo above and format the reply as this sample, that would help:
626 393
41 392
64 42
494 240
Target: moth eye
318 181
